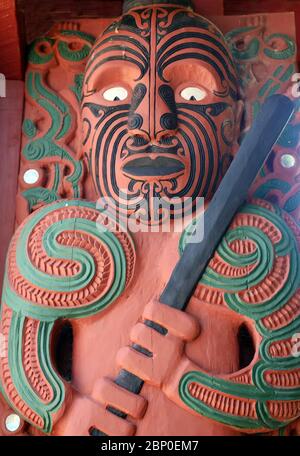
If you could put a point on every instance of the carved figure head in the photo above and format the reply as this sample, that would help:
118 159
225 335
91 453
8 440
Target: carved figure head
160 109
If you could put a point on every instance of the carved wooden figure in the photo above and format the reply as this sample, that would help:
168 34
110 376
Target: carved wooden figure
154 109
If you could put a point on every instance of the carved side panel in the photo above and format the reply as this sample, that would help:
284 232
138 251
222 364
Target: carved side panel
52 166
265 52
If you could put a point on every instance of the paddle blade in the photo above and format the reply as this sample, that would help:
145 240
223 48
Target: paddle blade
231 194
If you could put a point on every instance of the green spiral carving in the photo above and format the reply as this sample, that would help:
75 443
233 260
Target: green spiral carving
60 265
75 55
40 58
53 249
260 262
52 145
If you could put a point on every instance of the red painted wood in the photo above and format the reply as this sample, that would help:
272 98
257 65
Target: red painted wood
262 6
11 112
10 48
209 7
40 16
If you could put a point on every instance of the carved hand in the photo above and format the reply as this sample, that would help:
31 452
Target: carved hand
168 361
82 413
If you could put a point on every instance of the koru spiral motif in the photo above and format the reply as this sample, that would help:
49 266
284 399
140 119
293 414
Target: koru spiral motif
255 272
60 265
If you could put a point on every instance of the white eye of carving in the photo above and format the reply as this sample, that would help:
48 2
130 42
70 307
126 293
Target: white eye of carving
115 94
193 94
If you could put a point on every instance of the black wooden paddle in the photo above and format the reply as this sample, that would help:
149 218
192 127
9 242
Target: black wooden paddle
231 194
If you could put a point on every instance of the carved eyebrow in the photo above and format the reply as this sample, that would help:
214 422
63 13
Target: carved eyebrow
124 38
133 51
221 64
163 63
143 66
194 34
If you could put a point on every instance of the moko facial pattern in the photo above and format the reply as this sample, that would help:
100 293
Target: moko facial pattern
159 109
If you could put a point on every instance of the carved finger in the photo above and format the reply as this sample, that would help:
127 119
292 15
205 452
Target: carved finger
140 365
178 323
151 340
111 424
108 393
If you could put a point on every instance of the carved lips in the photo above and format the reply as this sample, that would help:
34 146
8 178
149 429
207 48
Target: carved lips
149 167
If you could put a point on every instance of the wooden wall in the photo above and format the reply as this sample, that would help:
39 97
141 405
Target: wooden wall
10 45
40 15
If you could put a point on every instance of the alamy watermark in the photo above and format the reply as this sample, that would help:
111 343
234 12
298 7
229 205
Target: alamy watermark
174 215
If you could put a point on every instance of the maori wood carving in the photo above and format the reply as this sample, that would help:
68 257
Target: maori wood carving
58 266
154 107
255 273
52 166
266 65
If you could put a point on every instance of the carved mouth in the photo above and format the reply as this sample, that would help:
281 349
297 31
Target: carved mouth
153 166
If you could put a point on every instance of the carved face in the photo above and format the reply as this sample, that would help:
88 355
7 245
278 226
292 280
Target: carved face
160 108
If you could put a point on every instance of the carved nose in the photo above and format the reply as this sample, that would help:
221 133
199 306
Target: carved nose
166 116
136 115
153 120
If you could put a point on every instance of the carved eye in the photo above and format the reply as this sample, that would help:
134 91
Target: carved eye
115 94
193 94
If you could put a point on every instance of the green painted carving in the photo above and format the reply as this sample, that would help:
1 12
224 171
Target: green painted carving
77 87
243 391
51 147
60 284
247 44
47 147
15 358
40 51
260 263
29 128
94 267
266 63
37 195
264 189
252 48
75 55
263 258
286 53
243 52
290 205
